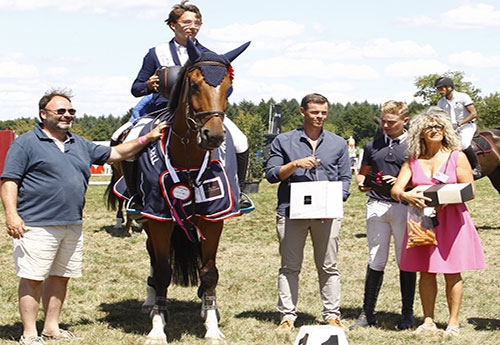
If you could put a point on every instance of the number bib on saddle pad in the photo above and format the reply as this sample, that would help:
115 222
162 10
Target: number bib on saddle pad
213 198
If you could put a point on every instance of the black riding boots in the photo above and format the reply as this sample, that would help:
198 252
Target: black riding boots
474 162
373 282
134 206
242 166
407 281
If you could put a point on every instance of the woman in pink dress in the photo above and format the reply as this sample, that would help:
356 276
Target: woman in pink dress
435 156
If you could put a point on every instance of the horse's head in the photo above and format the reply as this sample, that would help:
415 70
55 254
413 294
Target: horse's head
206 84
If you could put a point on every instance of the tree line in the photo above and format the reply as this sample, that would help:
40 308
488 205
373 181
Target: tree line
352 119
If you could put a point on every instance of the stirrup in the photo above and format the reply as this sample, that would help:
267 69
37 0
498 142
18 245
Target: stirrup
246 203
132 212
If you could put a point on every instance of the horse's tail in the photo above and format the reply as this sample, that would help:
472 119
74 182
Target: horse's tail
112 200
185 257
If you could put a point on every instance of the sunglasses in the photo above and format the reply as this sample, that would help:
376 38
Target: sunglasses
436 127
187 23
62 111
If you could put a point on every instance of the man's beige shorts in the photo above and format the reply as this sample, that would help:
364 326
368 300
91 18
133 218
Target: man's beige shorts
50 250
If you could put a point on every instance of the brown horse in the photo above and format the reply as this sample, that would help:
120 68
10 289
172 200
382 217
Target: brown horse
182 241
487 146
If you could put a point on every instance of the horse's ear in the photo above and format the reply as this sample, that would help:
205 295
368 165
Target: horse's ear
193 52
233 54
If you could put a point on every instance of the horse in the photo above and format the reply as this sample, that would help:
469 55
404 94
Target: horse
487 146
176 173
115 203
486 143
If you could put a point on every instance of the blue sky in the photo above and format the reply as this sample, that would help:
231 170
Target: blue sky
347 50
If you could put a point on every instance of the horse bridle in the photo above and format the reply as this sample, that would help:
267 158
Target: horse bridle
193 118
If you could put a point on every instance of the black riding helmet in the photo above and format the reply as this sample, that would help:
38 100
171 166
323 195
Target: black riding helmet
444 81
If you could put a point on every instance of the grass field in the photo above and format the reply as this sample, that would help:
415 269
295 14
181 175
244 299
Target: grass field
103 307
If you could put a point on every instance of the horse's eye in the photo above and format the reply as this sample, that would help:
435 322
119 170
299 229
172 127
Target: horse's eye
195 87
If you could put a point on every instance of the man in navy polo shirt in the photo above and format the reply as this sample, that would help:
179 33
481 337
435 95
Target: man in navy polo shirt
44 181
382 160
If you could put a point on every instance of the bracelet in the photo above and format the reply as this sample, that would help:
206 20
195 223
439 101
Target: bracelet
142 141
296 164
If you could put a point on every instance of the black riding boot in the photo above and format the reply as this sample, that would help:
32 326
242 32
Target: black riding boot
474 162
373 282
242 165
407 282
130 176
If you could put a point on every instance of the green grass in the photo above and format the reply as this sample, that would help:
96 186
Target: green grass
103 307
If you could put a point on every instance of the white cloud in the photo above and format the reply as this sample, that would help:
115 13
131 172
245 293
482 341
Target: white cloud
385 48
474 59
263 31
417 21
468 16
475 16
15 70
414 68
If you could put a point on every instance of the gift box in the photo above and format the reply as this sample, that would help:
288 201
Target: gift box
454 193
316 200
375 181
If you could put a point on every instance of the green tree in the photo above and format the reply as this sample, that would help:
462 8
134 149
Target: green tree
20 126
488 110
253 127
358 120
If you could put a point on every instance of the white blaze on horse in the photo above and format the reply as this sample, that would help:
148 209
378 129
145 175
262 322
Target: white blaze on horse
188 186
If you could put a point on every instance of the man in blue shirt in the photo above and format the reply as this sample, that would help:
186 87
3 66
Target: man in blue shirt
308 153
44 181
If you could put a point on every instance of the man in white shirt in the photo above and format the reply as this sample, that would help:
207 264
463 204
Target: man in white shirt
463 117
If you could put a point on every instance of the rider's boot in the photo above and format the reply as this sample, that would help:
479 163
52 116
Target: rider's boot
130 176
474 162
242 165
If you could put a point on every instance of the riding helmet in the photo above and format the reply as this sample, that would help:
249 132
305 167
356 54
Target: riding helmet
444 81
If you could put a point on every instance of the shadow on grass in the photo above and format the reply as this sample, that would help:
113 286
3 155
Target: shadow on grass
385 320
110 229
483 324
488 227
13 332
184 317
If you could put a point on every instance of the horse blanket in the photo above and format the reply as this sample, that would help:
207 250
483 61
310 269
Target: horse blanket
212 194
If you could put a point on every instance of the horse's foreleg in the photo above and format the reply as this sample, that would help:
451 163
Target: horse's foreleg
209 276
159 249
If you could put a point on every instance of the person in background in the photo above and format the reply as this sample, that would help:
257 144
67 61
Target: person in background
308 153
353 154
463 116
45 177
435 157
137 112
185 20
384 216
